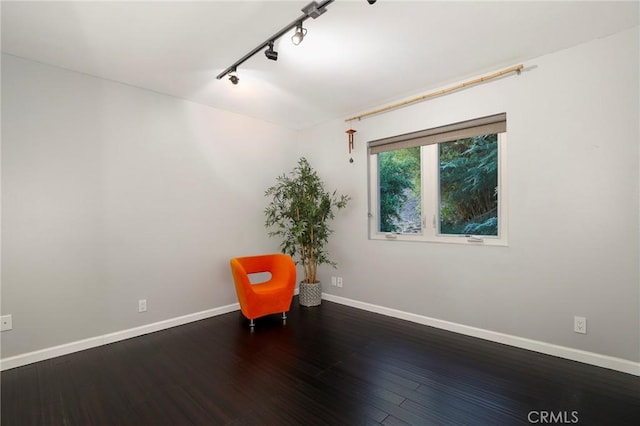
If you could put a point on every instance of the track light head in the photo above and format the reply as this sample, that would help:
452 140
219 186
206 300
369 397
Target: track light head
298 36
233 77
270 53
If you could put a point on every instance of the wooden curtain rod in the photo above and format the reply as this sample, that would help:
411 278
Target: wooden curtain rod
516 68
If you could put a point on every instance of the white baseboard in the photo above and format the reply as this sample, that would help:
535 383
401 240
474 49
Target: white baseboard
599 360
67 348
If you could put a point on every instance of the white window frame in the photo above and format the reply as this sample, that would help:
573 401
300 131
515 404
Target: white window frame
429 175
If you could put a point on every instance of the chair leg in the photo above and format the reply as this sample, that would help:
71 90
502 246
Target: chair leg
284 315
251 323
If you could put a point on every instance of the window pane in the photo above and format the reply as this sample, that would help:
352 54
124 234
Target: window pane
399 197
469 186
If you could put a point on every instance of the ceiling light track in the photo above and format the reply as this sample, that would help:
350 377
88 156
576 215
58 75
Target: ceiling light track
312 10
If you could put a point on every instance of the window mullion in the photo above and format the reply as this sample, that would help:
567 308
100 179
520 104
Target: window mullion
429 190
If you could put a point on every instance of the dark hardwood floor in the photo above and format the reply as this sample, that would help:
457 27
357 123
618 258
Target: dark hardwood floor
329 365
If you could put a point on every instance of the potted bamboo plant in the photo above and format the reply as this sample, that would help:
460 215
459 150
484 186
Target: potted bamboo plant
299 213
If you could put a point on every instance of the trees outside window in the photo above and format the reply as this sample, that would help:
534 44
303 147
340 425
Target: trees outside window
399 177
469 186
451 191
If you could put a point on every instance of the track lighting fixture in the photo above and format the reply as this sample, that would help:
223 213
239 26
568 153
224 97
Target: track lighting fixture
233 77
270 53
312 10
298 36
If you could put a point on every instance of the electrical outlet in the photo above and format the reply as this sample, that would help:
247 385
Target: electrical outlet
6 323
142 305
339 281
580 325
333 281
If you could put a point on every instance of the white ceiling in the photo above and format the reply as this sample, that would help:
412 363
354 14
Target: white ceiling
356 56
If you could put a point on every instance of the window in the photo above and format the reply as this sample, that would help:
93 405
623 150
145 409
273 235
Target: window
444 185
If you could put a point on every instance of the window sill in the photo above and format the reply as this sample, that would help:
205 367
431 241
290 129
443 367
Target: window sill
462 239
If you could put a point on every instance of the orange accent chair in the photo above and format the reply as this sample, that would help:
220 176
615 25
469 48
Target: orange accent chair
269 297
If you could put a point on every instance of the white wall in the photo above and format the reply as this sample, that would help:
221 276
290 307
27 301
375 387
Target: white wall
573 187
111 194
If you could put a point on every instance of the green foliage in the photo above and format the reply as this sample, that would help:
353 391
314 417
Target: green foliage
468 186
299 212
398 170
